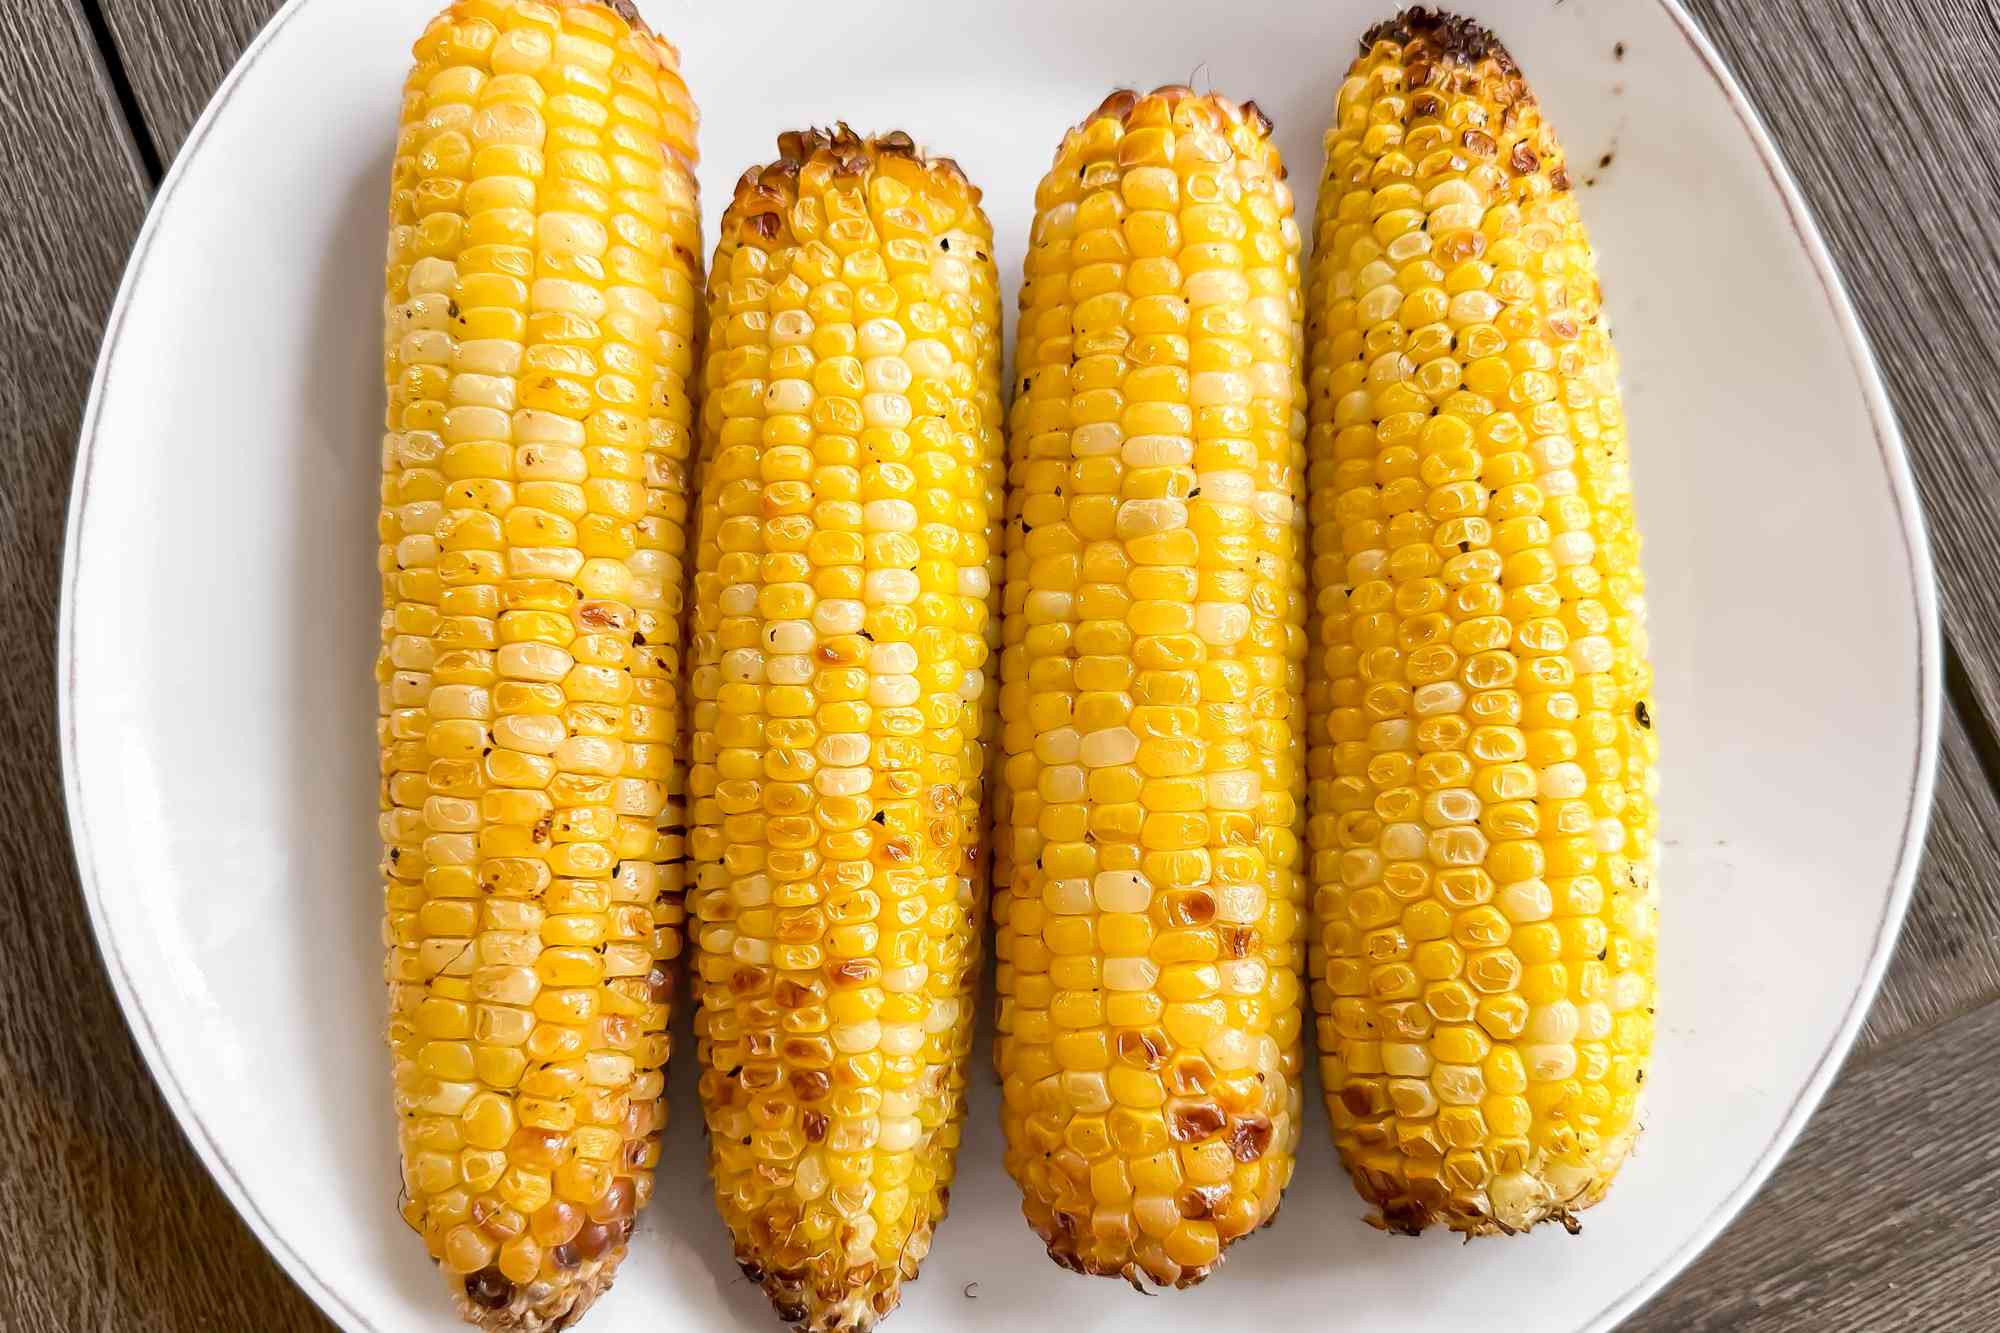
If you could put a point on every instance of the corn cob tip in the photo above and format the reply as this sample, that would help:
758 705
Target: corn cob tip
801 1302
624 9
1507 1210
1447 36
1123 103
1063 1247
489 1300
763 191
1449 55
1244 124
840 138
647 40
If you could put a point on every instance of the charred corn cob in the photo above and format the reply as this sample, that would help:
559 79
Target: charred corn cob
850 480
542 279
1149 892
1482 757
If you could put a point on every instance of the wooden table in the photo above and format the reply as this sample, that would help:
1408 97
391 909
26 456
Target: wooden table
1877 1220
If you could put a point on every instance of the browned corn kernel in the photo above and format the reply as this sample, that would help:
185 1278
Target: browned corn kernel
1148 887
1482 756
850 482
541 290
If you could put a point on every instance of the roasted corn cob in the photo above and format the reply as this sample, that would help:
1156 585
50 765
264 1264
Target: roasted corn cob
1482 756
850 480
1149 892
542 279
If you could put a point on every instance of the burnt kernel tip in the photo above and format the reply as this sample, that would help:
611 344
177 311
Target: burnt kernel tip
624 9
1455 39
850 153
1221 112
489 1289
1117 104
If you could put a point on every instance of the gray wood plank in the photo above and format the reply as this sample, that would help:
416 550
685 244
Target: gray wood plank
1881 1217
175 52
112 1222
1888 111
1949 958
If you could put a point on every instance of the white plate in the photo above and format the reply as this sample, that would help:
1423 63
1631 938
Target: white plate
220 603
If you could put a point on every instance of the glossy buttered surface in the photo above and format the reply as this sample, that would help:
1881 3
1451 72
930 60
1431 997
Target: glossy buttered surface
1483 832
843 620
1149 916
539 352
222 876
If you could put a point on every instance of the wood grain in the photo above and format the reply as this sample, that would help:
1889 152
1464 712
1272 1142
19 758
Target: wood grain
111 1221
176 52
1881 1217
1876 1219
1949 958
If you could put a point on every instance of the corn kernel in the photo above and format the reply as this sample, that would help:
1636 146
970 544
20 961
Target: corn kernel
1472 770
540 324
1148 885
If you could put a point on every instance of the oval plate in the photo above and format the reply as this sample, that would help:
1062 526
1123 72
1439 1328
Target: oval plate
220 605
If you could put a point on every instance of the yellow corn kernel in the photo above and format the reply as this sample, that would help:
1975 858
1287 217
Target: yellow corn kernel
845 610
1149 892
1480 729
539 335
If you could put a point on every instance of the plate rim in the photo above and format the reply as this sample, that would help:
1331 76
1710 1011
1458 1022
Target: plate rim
1922 789
1917 813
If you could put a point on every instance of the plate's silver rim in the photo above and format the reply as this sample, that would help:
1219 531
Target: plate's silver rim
1889 443
1922 783
193 1128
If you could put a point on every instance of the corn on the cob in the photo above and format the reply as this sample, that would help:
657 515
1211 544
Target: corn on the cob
1482 758
542 279
1149 891
849 480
